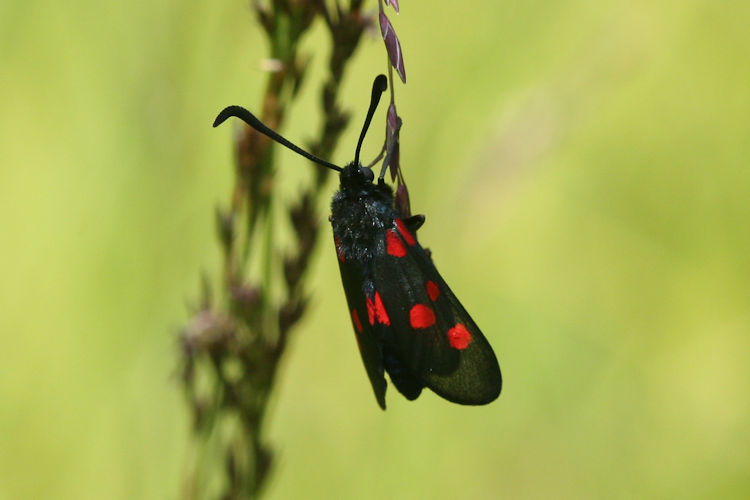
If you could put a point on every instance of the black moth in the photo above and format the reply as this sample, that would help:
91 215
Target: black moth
406 319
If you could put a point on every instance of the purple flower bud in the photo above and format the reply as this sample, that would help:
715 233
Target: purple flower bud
394 3
392 141
392 118
393 46
402 201
395 163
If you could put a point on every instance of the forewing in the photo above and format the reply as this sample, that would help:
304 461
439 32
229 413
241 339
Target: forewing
432 333
353 279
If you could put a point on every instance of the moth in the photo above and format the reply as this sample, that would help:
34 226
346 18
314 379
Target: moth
406 319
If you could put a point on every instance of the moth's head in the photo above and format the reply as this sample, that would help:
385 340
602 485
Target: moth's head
354 174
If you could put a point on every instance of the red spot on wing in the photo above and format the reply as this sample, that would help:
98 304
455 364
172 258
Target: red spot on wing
380 313
405 234
459 337
394 245
421 316
339 251
376 311
357 322
370 311
432 290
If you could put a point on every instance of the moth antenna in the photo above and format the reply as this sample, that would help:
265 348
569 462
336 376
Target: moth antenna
378 87
249 118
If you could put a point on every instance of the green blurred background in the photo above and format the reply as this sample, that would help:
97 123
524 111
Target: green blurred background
583 169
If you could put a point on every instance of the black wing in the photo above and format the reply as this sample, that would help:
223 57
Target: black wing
430 332
353 279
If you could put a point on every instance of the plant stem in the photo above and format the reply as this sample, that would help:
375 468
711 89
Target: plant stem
232 346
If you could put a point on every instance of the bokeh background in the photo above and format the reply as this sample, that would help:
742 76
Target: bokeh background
583 170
